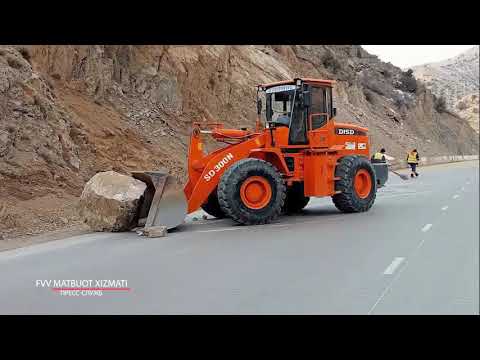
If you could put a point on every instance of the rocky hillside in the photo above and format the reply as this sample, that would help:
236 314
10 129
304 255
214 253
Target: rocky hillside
467 108
67 112
455 80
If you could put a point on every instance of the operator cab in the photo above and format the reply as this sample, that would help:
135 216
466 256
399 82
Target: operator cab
302 105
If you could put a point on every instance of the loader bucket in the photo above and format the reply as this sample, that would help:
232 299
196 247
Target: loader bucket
164 202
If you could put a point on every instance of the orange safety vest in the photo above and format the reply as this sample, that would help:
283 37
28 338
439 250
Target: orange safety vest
412 158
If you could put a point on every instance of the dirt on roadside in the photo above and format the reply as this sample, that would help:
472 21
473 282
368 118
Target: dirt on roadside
63 233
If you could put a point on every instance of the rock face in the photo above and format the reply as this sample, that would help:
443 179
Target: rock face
69 112
453 78
109 201
158 91
457 81
467 108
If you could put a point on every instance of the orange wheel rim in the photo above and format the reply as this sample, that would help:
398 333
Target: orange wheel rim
363 183
256 192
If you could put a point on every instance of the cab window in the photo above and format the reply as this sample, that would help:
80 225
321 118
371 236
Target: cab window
320 109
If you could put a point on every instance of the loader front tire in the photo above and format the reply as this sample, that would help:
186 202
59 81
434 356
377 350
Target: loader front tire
212 207
357 184
251 192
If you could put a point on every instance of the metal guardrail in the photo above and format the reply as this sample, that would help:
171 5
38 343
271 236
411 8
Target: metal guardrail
430 160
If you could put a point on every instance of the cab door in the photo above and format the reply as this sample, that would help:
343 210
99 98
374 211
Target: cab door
319 114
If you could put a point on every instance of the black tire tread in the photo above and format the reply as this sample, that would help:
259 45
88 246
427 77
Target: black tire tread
347 201
234 175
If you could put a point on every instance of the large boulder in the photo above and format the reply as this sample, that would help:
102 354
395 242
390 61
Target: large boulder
110 201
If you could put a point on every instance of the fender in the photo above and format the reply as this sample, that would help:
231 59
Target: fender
214 169
273 156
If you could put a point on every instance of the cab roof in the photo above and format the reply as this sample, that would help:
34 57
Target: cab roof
311 81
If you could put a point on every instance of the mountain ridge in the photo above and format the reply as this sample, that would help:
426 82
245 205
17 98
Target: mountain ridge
455 79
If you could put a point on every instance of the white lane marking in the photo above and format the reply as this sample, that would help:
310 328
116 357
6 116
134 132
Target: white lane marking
388 195
393 266
427 227
444 208
418 246
387 289
455 196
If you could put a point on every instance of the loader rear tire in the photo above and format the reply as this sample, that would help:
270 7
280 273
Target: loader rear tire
212 207
357 184
295 200
251 192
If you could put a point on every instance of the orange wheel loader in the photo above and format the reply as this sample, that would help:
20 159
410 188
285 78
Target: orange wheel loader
296 151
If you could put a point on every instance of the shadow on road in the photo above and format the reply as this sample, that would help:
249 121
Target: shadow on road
319 211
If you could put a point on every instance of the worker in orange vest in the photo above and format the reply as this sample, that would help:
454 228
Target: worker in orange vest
412 160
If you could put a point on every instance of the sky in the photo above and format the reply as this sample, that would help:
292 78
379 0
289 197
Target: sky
405 56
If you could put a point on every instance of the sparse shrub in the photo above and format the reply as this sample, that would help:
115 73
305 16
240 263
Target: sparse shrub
349 78
408 81
387 74
410 84
330 62
49 83
6 218
211 82
359 53
461 106
14 62
440 104
25 53
398 101
11 129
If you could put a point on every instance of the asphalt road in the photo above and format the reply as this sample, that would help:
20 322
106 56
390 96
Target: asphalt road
415 252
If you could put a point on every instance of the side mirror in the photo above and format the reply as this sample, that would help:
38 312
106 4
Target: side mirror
259 106
334 112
